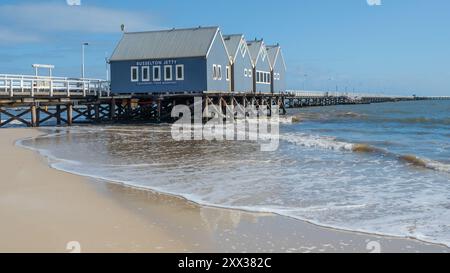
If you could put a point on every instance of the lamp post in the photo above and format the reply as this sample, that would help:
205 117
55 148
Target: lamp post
82 58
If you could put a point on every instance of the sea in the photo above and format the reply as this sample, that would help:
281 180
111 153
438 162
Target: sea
380 168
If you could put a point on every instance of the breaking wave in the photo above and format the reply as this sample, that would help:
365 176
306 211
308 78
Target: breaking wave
331 143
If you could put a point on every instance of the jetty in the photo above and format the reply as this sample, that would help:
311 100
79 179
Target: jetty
34 101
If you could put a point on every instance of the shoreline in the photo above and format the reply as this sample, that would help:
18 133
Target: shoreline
180 225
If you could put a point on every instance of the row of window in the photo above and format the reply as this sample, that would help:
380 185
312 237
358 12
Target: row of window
217 72
168 73
262 77
248 72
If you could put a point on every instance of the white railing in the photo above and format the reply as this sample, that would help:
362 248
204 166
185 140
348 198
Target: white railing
353 95
32 86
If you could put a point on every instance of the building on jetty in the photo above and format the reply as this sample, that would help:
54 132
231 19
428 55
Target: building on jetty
278 65
174 61
261 66
241 65
194 60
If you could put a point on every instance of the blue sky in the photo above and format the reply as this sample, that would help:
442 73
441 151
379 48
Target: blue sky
398 47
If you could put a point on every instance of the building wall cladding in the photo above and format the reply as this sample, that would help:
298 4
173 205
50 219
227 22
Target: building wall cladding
279 82
194 79
278 68
262 66
243 81
218 56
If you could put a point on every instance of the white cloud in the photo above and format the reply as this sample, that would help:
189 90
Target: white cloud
26 22
7 36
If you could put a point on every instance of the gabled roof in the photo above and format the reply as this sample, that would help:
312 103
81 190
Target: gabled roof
274 53
254 48
174 43
232 42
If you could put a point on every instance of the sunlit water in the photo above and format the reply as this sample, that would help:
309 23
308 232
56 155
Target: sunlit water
381 168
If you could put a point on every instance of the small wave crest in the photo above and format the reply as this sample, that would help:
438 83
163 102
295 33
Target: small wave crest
425 163
330 143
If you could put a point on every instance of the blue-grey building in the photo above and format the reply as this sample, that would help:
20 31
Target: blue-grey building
278 73
261 67
176 60
240 68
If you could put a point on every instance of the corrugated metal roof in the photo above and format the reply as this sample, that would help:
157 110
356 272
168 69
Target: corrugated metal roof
232 43
254 48
174 43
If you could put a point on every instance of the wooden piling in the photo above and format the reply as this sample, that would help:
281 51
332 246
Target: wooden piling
33 115
69 114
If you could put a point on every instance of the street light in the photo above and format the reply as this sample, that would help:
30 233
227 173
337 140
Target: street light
82 58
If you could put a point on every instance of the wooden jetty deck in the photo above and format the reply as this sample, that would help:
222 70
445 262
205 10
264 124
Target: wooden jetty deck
34 101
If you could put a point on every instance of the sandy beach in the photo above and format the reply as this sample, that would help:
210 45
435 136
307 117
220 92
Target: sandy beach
43 209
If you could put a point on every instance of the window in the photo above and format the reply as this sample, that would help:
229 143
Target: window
245 72
219 72
145 73
249 73
134 74
228 73
180 72
257 76
265 78
167 72
214 72
268 78
156 73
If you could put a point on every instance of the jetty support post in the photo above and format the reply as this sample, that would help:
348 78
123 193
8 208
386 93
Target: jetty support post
33 115
69 114
112 109
58 114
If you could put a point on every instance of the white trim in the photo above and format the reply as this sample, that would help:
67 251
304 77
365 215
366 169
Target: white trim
214 72
159 73
171 73
228 77
147 74
219 72
182 72
212 43
250 73
264 77
134 68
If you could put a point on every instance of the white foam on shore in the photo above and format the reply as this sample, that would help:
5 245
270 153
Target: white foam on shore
302 213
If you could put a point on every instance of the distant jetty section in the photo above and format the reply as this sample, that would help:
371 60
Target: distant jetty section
37 100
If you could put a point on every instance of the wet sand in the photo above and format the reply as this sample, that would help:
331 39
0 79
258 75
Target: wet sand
43 209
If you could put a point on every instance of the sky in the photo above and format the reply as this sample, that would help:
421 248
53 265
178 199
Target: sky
381 46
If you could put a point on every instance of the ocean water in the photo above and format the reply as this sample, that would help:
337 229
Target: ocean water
380 168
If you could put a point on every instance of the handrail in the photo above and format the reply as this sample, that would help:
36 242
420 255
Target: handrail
42 85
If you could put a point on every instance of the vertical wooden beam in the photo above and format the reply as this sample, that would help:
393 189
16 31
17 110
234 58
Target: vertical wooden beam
158 113
58 115
38 116
97 112
112 109
33 115
69 114
89 112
